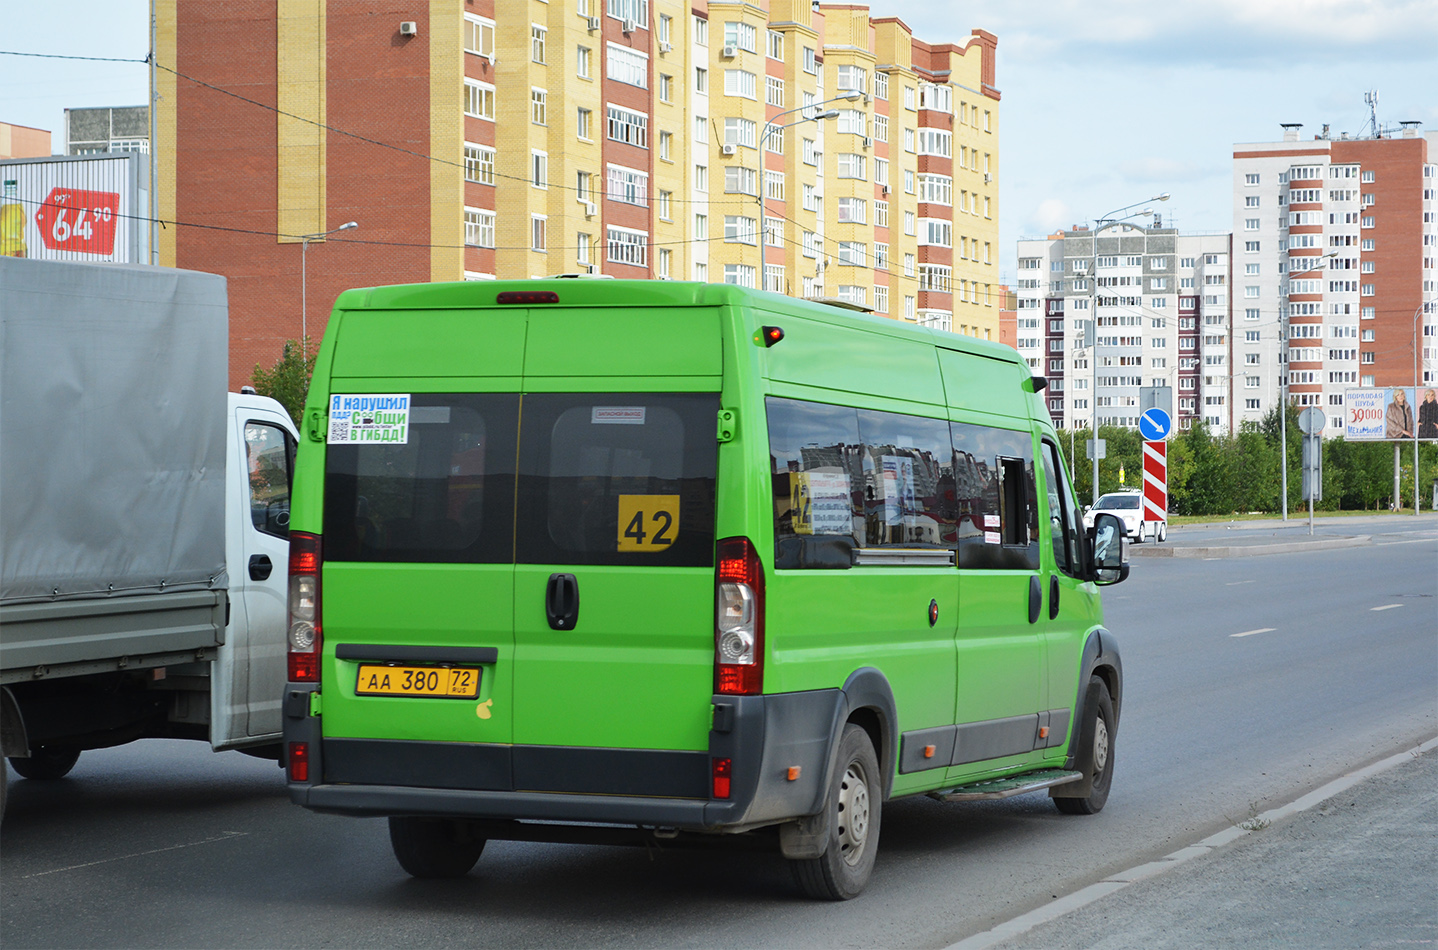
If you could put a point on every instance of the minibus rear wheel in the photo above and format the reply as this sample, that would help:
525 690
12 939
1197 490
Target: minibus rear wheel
434 847
853 802
46 762
1095 751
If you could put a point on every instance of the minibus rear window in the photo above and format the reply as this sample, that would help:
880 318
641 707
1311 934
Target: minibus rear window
444 495
618 478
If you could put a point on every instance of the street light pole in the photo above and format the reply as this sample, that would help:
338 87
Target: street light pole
1104 223
1285 351
304 288
853 95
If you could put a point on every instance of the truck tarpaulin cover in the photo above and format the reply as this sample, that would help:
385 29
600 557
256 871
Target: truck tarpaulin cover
112 429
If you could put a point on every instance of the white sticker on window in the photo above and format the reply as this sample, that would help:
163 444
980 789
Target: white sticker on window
991 521
617 415
369 418
991 537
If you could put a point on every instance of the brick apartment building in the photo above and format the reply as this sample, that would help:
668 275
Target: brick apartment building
1161 300
1340 233
477 139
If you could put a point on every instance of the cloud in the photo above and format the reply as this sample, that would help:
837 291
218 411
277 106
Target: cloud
1051 215
1220 33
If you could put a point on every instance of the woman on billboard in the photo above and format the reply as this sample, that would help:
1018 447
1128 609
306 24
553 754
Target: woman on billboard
1399 419
1428 416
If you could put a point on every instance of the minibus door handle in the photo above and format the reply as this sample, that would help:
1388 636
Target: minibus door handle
561 601
1036 598
1053 596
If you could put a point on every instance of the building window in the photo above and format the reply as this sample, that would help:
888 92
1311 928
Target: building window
582 124
538 233
628 185
776 45
881 298
539 169
635 10
479 36
478 100
739 229
739 180
627 66
629 127
666 88
537 37
666 146
774 91
742 35
479 164
478 227
665 200
741 275
881 214
627 246
539 107
741 83
852 210
851 165
582 58
853 253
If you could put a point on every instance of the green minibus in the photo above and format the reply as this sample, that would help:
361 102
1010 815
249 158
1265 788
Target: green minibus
633 561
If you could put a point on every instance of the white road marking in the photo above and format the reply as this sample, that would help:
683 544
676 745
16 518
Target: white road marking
1117 882
1386 607
140 854
1249 633
1236 583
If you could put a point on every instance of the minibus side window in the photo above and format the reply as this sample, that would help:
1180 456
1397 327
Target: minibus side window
816 460
996 501
443 495
1063 513
908 481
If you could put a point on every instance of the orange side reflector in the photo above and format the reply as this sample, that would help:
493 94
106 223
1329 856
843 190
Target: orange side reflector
794 771
1043 732
928 752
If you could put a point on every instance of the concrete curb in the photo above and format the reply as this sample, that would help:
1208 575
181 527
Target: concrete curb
1250 550
1117 882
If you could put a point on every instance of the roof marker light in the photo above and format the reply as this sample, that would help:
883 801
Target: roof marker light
770 335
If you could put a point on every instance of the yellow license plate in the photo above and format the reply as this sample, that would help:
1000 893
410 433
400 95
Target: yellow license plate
445 682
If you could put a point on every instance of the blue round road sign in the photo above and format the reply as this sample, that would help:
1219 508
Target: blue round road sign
1154 425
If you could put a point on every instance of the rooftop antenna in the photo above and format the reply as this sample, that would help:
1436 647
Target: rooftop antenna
1371 99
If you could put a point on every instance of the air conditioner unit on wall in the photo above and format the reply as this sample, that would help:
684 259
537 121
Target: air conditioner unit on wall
589 209
630 26
593 23
729 52
665 47
866 141
988 178
727 149
408 28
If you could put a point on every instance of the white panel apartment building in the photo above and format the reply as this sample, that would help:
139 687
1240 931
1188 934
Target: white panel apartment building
1341 235
1162 301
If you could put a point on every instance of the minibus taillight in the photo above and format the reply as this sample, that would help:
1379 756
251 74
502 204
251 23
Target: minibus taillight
738 619
723 776
304 636
299 761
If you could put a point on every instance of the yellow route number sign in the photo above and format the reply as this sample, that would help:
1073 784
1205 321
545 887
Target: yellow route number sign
648 522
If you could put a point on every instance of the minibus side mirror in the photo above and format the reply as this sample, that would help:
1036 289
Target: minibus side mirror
1105 540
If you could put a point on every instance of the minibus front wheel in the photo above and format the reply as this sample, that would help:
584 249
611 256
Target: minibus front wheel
853 803
1095 753
434 847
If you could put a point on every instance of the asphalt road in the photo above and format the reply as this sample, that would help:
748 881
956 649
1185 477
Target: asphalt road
166 844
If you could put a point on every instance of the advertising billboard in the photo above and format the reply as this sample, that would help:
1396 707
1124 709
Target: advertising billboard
75 208
1393 413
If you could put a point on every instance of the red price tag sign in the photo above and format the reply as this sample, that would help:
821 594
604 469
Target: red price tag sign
75 220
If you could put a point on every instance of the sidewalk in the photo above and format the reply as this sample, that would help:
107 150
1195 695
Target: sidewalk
1274 536
1357 869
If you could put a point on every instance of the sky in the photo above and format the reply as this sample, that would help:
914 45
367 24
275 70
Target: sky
1105 102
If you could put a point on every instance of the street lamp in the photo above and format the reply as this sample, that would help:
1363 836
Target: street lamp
853 95
1283 376
304 297
1104 223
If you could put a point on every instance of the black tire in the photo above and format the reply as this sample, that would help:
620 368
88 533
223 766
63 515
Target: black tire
434 847
1162 531
854 803
46 762
1095 751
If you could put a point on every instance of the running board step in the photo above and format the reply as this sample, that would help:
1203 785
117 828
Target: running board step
1007 787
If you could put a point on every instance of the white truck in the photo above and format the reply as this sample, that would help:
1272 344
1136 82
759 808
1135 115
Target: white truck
144 515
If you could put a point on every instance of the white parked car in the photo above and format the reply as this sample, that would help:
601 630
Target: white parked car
1127 506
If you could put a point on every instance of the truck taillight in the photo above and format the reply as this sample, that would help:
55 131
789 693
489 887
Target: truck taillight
304 635
738 619
298 761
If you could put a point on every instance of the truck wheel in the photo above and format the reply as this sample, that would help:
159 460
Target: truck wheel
434 847
1095 752
46 762
1162 531
854 802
